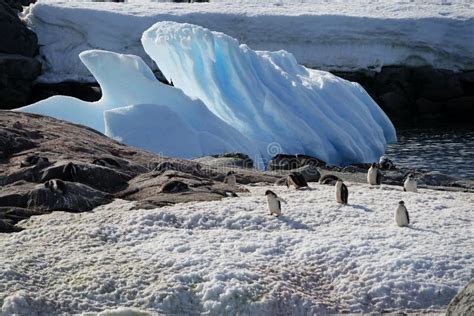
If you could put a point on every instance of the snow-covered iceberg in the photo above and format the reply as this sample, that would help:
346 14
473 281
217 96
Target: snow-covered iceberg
138 110
227 97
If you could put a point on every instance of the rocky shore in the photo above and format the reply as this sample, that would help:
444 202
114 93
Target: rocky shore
34 150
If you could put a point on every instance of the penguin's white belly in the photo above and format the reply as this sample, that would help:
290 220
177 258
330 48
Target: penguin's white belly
372 176
401 218
338 194
410 186
230 180
274 206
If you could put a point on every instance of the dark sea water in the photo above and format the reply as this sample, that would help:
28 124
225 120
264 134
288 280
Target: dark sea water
447 150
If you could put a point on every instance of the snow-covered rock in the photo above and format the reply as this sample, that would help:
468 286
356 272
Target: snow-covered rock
231 257
257 103
329 35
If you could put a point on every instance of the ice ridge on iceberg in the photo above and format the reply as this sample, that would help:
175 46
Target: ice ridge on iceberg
269 98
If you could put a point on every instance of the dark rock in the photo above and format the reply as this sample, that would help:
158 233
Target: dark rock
17 74
15 37
227 160
309 172
429 109
396 103
329 179
77 198
437 179
96 176
84 91
290 162
13 141
174 187
435 84
463 302
461 107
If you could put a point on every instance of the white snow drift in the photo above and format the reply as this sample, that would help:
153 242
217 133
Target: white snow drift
230 257
327 35
256 99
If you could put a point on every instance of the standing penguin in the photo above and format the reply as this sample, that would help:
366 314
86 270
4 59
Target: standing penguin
342 194
401 215
296 180
274 203
410 184
230 178
374 176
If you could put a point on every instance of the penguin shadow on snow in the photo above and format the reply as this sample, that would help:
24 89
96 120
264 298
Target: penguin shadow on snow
293 223
410 226
360 207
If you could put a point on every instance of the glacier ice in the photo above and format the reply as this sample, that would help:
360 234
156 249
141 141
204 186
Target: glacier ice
227 97
268 97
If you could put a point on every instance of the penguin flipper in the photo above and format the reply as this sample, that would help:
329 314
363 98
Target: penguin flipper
404 189
408 217
281 200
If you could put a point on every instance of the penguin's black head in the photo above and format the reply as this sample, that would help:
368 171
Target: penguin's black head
373 165
401 203
230 173
269 192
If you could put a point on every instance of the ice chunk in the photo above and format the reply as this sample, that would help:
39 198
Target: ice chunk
269 98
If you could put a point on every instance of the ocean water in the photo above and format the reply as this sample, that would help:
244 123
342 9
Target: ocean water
449 150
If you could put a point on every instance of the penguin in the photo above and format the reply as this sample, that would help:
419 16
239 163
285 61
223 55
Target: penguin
342 194
56 186
386 164
328 179
34 160
410 184
297 180
106 162
230 178
274 203
374 176
401 215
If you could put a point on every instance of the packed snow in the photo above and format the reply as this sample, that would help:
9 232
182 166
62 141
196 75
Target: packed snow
257 103
327 35
231 257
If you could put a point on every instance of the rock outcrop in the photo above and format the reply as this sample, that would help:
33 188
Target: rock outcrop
463 302
18 46
419 94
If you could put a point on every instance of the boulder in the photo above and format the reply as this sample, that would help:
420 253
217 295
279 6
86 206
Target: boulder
463 302
96 176
15 36
76 197
232 160
436 84
290 162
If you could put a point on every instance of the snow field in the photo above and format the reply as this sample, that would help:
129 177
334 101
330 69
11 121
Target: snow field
230 256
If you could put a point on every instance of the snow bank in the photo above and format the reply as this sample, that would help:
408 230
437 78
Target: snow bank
231 257
258 100
269 98
327 35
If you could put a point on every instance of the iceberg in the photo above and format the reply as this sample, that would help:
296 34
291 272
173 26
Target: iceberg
227 97
269 98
